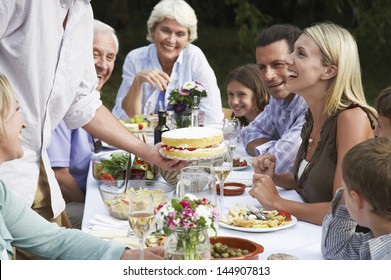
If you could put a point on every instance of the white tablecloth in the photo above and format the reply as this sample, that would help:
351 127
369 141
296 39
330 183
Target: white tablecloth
302 240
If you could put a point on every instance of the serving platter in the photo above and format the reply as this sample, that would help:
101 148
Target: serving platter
260 230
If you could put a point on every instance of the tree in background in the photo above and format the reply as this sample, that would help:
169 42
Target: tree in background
227 30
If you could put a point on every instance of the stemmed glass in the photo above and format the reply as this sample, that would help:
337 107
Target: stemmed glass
141 215
231 132
222 166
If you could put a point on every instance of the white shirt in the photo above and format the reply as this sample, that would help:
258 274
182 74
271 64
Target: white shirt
52 73
191 65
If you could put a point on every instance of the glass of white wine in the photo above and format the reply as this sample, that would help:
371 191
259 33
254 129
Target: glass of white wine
231 132
222 166
141 215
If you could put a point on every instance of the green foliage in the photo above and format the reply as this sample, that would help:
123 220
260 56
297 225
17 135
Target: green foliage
227 30
249 20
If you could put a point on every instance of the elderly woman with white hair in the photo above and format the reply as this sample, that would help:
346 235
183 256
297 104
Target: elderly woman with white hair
151 72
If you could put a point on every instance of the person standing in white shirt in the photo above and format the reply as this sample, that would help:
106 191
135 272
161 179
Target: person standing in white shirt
48 58
151 72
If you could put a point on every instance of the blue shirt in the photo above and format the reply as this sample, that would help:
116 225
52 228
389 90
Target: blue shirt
191 65
72 149
281 124
340 241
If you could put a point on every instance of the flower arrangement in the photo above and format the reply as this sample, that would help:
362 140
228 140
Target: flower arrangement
183 98
187 221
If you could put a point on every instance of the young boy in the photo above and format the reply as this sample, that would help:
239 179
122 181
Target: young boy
365 199
383 107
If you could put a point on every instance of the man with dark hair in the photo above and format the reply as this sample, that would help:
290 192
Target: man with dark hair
277 129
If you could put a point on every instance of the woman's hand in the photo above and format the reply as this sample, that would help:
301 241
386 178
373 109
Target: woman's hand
264 164
153 253
265 191
158 79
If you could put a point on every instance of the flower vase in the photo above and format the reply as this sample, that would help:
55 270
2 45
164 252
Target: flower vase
183 119
187 244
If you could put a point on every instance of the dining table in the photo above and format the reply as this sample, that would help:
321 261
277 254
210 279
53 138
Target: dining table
301 240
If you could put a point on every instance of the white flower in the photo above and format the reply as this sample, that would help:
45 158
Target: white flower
191 196
199 87
189 85
205 212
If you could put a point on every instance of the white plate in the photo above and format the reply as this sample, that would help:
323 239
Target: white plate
291 224
239 168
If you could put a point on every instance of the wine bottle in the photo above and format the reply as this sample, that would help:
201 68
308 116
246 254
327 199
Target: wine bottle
161 127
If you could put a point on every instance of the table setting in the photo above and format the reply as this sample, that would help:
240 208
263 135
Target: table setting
294 238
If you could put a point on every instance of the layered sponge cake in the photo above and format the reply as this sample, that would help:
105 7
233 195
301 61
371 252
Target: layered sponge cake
193 143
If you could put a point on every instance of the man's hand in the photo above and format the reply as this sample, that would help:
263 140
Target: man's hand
166 163
264 164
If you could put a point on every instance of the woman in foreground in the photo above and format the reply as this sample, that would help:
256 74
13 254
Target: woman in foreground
21 227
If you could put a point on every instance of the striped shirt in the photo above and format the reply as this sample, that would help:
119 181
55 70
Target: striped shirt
281 125
191 65
340 241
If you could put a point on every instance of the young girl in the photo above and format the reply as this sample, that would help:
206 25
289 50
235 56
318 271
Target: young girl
247 96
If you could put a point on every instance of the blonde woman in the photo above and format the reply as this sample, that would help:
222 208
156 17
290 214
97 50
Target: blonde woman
325 70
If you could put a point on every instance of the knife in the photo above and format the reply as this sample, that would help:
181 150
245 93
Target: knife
257 212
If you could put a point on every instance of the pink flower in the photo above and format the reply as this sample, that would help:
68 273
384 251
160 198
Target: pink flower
184 92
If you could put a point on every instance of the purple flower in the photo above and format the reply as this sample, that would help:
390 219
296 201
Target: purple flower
179 108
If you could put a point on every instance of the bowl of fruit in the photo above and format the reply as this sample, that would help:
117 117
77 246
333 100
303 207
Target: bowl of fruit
136 123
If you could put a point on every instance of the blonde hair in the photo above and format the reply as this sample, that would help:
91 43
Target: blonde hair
7 102
339 48
177 10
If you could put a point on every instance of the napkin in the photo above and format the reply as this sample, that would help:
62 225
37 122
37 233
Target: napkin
107 222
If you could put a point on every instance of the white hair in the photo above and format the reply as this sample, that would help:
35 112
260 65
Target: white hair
177 10
100 27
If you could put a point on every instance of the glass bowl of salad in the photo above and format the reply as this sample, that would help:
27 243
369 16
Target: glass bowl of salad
116 196
110 167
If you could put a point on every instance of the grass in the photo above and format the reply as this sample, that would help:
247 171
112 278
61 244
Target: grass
221 47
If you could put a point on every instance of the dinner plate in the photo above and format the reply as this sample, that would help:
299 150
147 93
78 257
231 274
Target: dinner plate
239 168
291 224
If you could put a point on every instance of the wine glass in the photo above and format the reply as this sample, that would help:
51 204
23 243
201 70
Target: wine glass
231 132
222 166
141 215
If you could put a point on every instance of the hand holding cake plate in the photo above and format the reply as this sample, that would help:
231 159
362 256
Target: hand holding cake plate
192 143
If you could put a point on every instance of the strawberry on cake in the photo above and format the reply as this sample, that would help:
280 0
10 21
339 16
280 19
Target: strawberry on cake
192 143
